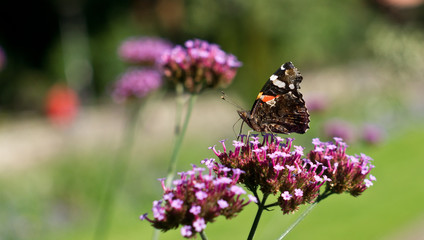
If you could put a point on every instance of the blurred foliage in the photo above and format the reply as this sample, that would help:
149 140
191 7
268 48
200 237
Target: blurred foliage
59 36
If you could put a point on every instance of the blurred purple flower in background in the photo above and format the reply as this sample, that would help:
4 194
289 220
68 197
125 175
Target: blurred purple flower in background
372 134
2 58
200 65
136 83
339 128
143 50
316 103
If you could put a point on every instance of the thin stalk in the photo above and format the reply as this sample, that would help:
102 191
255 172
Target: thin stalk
178 141
118 172
305 213
179 137
203 235
298 220
179 89
156 234
261 208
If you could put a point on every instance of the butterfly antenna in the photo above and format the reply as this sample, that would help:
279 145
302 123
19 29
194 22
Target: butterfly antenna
230 101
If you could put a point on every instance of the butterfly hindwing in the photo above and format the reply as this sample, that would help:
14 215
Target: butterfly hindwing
279 107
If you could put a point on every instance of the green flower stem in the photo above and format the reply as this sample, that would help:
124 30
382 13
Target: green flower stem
118 171
156 233
179 140
261 207
179 137
305 213
179 89
203 235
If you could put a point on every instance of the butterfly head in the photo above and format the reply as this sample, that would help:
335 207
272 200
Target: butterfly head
247 117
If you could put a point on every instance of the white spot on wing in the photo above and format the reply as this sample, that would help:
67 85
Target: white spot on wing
291 86
273 77
279 83
282 67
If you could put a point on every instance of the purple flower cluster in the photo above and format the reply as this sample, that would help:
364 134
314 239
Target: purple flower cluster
143 50
275 166
197 199
348 173
200 65
136 83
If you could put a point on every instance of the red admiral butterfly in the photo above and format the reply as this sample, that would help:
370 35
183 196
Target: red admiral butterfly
279 106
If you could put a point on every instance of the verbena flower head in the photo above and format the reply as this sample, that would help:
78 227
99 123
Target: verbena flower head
136 83
196 199
275 166
200 65
143 50
348 173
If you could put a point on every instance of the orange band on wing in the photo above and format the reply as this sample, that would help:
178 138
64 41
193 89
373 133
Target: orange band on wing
266 98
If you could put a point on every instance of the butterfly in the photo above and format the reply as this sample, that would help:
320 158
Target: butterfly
279 106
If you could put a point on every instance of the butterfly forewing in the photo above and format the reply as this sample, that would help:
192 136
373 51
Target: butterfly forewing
279 106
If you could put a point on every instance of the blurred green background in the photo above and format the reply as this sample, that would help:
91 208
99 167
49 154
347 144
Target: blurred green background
361 60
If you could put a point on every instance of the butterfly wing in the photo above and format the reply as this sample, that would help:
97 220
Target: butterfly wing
279 107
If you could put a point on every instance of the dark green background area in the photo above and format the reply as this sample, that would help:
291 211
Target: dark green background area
262 34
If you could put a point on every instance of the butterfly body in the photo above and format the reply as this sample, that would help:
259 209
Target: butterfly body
279 106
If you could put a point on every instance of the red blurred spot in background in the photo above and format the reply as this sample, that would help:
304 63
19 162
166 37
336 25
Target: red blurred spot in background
61 105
